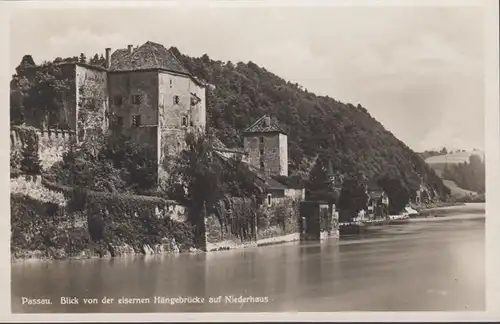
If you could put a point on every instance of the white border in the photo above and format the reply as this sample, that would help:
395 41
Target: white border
491 8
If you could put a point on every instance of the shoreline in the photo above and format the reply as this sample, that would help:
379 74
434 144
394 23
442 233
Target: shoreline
445 211
211 248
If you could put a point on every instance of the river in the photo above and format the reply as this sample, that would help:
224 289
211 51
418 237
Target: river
434 264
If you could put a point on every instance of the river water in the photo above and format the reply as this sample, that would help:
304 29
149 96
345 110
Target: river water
434 264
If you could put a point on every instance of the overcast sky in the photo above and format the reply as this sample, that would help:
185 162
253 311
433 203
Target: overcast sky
418 70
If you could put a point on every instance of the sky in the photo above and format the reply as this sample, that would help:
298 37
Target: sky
418 70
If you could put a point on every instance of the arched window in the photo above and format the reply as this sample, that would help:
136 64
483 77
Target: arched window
269 199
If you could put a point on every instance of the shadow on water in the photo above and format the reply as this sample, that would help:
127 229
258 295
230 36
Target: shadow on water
374 272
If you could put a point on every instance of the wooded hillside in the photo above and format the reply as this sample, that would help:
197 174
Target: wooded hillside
319 127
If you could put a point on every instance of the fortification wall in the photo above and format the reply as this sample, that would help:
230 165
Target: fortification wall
52 143
241 223
47 222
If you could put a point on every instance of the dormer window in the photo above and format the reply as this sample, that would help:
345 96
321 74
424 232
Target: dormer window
136 120
194 99
136 99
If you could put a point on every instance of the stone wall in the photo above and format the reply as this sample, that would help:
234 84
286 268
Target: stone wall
275 152
108 225
271 225
52 143
123 86
92 101
182 109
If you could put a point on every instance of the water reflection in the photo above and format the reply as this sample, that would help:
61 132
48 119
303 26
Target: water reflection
374 273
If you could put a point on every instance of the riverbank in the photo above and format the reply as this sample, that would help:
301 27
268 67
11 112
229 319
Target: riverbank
441 211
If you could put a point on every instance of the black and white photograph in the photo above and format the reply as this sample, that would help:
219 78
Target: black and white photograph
247 158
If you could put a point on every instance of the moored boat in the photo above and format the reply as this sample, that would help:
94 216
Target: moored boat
399 219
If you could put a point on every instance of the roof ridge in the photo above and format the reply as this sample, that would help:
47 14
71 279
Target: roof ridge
255 123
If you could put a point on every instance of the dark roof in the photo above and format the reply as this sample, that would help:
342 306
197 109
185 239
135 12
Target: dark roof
217 145
264 124
147 56
376 194
267 182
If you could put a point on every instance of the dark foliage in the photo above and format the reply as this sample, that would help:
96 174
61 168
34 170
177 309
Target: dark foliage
353 197
399 194
201 179
120 165
35 94
469 176
30 162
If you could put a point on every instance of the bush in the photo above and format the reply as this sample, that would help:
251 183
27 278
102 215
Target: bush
30 161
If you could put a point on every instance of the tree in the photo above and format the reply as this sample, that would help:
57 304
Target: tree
36 94
399 195
353 198
82 58
196 180
94 60
120 165
30 163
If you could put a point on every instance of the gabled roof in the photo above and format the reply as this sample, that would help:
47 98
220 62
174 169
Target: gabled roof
267 182
217 145
264 124
147 56
264 181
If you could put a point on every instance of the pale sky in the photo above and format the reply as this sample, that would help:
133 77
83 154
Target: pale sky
418 70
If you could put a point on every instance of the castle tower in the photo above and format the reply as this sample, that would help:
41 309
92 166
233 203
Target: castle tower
267 146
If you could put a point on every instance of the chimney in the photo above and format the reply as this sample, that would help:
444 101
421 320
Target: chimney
108 57
130 48
267 121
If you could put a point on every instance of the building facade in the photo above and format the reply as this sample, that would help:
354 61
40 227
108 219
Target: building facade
147 93
267 146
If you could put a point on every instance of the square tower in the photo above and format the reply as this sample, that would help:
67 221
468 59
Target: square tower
267 146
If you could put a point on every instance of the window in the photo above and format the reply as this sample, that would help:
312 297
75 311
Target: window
136 120
170 83
191 123
262 164
136 99
261 151
261 140
117 100
184 121
269 199
176 100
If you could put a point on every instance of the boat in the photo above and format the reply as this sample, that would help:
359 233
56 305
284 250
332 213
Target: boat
351 228
399 219
411 212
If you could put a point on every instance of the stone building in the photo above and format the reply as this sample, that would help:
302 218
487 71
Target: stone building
265 151
267 146
148 93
